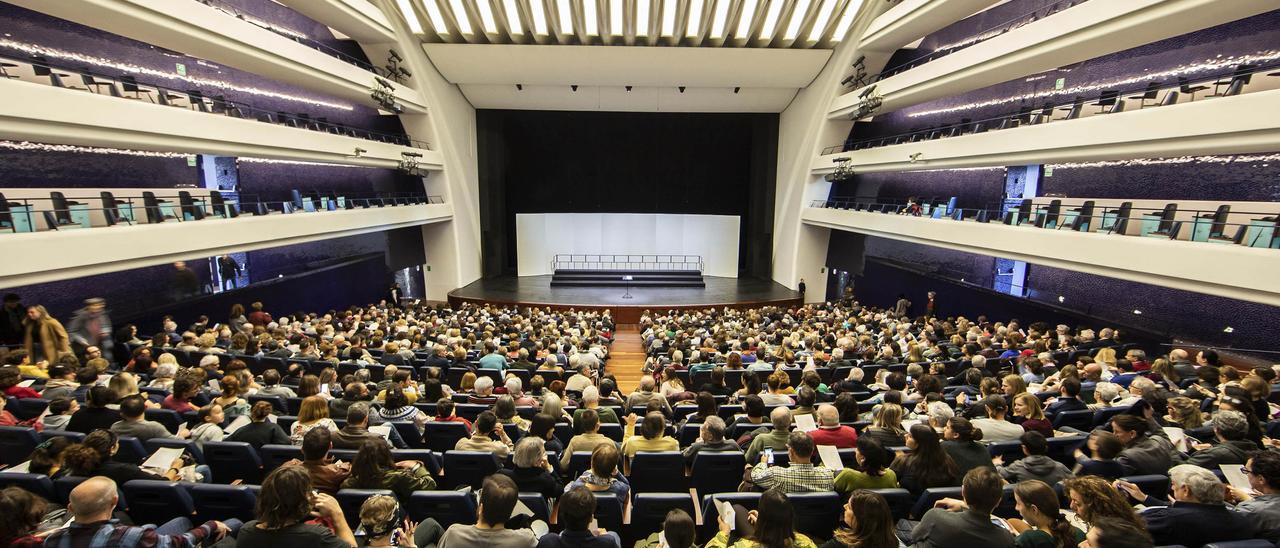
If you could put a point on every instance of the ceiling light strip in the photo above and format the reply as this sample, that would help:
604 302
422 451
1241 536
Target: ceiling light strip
695 18
643 27
771 20
850 11
406 10
669 17
720 19
591 20
512 10
745 20
824 17
539 11
487 20
797 18
460 16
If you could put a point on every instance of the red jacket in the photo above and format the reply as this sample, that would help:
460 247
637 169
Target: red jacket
7 419
21 392
843 437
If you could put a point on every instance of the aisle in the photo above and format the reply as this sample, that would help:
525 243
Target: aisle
626 357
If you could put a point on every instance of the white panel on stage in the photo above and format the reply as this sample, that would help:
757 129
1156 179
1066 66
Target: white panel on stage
541 236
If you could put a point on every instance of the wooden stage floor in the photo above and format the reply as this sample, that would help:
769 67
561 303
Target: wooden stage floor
537 290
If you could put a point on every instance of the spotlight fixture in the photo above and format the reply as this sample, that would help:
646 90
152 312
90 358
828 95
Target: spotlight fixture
519 87
913 158
574 87
681 88
384 83
409 162
857 63
847 80
395 55
405 72
736 89
867 92
843 171
383 94
628 88
359 151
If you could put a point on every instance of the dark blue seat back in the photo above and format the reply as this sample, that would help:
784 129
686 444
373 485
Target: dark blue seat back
717 471
222 502
38 484
648 510
131 450
409 433
157 501
167 417
658 472
900 502
17 443
274 456
930 496
711 514
535 502
468 468
1080 420
446 507
608 511
233 460
817 514
443 436
352 499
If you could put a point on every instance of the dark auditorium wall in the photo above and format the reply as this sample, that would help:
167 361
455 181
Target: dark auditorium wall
617 162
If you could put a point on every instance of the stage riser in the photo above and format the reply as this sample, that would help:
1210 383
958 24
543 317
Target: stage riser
614 278
618 283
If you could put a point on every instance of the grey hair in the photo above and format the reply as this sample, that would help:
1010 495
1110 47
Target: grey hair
857 374
1231 424
1204 486
940 413
552 405
1106 391
362 375
513 385
483 384
827 415
166 370
590 394
780 418
529 452
714 426
979 361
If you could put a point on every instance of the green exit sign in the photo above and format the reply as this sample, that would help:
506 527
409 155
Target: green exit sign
1060 83
191 160
180 68
1048 171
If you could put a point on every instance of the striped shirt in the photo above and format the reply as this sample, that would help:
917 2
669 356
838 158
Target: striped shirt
794 478
108 534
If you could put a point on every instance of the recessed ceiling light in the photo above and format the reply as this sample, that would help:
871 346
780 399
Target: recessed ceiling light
1228 329
1061 298
1138 312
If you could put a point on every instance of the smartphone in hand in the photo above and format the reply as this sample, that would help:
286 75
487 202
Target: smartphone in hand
768 453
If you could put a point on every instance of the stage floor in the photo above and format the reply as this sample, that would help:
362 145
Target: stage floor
537 290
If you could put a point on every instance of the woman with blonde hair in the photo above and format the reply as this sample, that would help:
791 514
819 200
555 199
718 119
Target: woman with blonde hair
468 382
886 426
232 404
1106 356
1027 407
1012 385
47 332
313 414
1185 413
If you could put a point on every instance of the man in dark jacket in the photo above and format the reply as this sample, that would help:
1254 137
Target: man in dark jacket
1142 454
1229 429
356 432
1068 399
1196 516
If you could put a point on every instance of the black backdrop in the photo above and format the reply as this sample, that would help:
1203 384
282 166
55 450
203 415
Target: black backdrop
615 162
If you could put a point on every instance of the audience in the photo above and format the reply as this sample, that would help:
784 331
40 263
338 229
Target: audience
497 498
576 512
866 523
482 437
968 522
1196 515
373 468
588 440
260 431
284 515
326 474
800 475
1035 463
927 465
773 524
91 506
603 474
873 470
532 473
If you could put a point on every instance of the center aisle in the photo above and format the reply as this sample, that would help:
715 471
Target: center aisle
626 357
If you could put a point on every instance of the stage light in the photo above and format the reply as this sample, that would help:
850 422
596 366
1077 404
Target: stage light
405 72
574 87
1138 312
519 87
681 88
395 55
1228 329
1061 298
736 89
628 88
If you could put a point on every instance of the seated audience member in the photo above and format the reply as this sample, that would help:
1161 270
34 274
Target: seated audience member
1042 525
7 418
1142 454
10 377
373 468
1196 516
1263 504
1116 533
588 440
1101 461
927 465
995 428
961 441
532 472
716 386
1035 464
184 388
314 413
706 408
775 438
384 525
591 400
800 475
210 425
775 392
482 437
95 414
505 410
60 411
886 425
61 384
965 523
326 474
356 432
867 522
773 524
47 458
397 408
1093 499
645 393
1026 407
543 427
710 438
20 513
483 392
354 392
91 507
232 404
577 510
1068 398
830 431
1230 429
497 498
287 506
652 436
260 431
133 423
873 470
447 412
603 474
271 385
86 378
678 531
92 457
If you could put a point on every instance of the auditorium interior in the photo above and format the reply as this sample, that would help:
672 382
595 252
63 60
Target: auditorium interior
651 273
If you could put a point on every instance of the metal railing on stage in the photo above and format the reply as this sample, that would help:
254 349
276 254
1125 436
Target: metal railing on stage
627 262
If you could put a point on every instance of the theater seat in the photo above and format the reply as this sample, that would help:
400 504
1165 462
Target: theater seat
608 511
579 462
222 502
817 514
186 445
1080 420
931 496
1153 485
648 510
352 499
468 468
157 501
444 436
233 460
541 510
446 507
17 443
717 471
711 515
900 501
38 484
274 456
1253 543
130 450
658 472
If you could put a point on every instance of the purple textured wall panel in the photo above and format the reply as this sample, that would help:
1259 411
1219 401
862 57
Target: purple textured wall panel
1246 177
288 260
956 265
77 169
1253 36
75 46
273 181
973 187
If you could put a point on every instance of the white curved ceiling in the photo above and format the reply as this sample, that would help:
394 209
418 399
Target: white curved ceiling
802 24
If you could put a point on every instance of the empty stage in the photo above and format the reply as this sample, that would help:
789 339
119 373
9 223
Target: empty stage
537 291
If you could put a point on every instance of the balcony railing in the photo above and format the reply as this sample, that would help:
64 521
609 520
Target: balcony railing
626 262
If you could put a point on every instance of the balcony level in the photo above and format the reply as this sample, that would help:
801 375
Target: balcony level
1085 31
1233 271
1222 125
359 19
207 32
910 20
47 114
123 247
